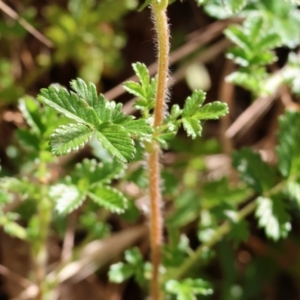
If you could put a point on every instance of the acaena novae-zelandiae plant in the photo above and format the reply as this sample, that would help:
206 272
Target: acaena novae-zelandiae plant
91 115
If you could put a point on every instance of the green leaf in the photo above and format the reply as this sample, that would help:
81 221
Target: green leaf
273 217
119 272
135 89
188 288
256 173
289 143
192 127
90 172
212 110
70 137
193 103
66 197
116 140
138 128
133 256
193 113
87 93
4 197
239 232
187 209
145 91
293 191
92 114
142 73
235 6
253 80
109 198
175 112
70 105
134 266
31 112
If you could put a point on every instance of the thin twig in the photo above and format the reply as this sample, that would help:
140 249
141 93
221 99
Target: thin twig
68 243
22 281
14 15
226 93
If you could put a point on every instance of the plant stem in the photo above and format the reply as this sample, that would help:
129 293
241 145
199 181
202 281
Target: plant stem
39 250
162 31
194 260
156 223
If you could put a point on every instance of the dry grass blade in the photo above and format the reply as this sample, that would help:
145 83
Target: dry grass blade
39 36
98 253
92 257
245 121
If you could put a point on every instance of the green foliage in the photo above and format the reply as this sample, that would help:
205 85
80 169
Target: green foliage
229 6
272 216
90 179
188 288
288 148
8 222
41 122
187 209
254 44
145 90
93 115
268 24
133 266
256 173
192 114
177 250
91 28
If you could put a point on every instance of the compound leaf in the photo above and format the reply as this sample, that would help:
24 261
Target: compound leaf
92 114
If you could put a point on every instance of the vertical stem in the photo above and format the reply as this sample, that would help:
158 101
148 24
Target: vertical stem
39 250
156 224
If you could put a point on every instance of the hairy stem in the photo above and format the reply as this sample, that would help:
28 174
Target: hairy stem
156 224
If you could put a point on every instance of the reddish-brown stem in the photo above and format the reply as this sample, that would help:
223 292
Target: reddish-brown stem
155 221
162 30
156 224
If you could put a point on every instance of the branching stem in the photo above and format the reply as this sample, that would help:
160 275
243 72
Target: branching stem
156 224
